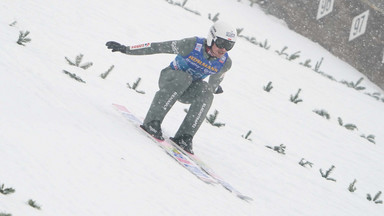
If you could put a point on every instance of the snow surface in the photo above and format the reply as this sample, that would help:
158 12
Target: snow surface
64 146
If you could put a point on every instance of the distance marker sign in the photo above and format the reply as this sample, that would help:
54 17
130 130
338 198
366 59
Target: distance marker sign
325 7
359 25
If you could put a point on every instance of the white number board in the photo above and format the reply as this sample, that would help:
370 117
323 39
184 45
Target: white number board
359 24
325 7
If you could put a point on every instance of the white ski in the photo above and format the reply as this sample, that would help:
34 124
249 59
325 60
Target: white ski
211 173
171 150
189 161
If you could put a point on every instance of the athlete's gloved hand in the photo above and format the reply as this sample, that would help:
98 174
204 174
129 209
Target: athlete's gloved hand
114 46
219 90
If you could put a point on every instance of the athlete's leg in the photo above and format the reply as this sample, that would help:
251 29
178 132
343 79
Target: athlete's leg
172 84
200 96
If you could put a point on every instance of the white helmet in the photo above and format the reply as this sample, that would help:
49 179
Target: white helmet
222 30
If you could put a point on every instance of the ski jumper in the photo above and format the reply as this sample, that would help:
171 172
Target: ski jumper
183 80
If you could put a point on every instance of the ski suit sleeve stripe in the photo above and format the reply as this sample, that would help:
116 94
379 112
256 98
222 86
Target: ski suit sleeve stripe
182 47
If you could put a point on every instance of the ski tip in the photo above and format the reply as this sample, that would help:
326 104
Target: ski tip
120 107
245 198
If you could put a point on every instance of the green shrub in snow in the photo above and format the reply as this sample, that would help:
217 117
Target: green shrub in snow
375 199
78 61
105 74
327 173
304 162
279 149
135 85
212 119
23 38
295 99
352 187
6 191
33 204
353 85
322 113
370 138
349 126
73 76
268 87
246 136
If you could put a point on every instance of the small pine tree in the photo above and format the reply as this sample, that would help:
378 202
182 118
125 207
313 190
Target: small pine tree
212 119
23 38
327 173
350 126
73 76
295 99
307 63
340 121
375 95
78 61
354 85
347 126
375 199
294 56
247 135
279 149
33 204
214 18
13 23
370 138
6 191
282 52
268 87
135 85
303 163
318 64
323 113
352 187
265 45
105 74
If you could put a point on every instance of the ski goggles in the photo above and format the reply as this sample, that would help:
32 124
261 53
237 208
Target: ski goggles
222 43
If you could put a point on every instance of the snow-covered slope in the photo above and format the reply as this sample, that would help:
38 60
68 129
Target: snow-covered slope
65 147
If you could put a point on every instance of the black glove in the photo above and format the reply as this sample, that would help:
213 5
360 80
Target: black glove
116 46
219 90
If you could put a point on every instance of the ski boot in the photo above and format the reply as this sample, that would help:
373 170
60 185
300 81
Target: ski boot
184 141
153 128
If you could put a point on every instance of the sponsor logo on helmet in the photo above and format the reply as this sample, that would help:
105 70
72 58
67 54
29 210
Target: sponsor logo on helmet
230 34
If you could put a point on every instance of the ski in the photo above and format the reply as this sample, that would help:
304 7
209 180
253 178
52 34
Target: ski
170 149
211 173
189 161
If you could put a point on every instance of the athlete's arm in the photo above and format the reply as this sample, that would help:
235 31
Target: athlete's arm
215 79
182 47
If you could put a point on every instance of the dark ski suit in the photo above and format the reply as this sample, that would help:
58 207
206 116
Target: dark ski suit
178 83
